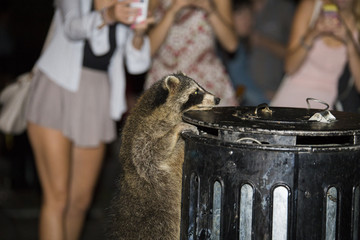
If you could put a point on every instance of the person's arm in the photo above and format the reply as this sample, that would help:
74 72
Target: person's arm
275 47
277 44
79 26
93 25
354 63
353 52
219 16
140 30
137 55
76 25
158 33
301 36
118 12
345 34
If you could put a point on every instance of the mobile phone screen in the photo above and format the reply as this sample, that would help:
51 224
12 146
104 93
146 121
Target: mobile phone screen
330 10
143 6
330 13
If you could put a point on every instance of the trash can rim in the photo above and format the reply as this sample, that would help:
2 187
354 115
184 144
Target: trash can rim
224 119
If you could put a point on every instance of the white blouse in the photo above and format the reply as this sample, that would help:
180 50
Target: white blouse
62 59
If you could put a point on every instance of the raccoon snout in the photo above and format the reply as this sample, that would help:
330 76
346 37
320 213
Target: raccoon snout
217 100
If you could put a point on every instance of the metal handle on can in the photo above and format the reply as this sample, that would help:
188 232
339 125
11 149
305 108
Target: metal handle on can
248 138
324 116
317 100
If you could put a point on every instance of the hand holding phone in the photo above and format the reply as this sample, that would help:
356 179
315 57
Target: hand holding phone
330 14
142 5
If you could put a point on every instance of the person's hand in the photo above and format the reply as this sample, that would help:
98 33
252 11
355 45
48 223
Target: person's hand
342 33
122 12
326 25
140 31
334 27
323 26
177 5
141 27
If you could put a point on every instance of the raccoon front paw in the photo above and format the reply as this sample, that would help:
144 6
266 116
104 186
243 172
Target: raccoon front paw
185 127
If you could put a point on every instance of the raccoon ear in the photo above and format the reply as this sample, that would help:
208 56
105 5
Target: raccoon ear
171 82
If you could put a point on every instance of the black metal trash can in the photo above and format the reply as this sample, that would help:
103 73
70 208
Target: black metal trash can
271 174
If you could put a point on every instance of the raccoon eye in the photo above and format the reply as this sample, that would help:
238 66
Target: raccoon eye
196 92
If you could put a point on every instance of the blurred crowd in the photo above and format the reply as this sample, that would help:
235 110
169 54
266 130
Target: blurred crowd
256 68
277 59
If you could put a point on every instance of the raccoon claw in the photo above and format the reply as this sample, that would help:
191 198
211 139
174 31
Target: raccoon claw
196 132
189 128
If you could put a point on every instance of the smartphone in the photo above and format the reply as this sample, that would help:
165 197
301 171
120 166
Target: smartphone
330 13
330 10
143 6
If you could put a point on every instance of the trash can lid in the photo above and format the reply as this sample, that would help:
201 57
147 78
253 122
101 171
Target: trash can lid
277 120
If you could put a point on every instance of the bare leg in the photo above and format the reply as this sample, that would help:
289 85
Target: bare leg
52 154
85 169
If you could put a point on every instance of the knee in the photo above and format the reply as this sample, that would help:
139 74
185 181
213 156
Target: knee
56 201
79 204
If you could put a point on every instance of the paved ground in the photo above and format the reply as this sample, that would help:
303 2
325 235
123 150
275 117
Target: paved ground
19 205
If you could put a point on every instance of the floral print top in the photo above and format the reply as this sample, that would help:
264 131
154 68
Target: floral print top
190 48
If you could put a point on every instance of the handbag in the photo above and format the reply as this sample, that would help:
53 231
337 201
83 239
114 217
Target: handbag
13 100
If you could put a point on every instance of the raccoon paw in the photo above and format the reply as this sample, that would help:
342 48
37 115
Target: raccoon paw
185 127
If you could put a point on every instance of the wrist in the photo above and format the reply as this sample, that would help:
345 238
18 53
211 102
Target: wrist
209 13
137 41
138 36
350 41
305 43
210 9
352 47
173 10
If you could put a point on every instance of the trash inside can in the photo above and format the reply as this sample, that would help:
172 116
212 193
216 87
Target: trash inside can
271 173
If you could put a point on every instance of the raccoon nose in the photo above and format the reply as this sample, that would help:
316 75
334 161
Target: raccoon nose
217 100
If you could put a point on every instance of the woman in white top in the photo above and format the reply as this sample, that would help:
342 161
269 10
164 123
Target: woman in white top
77 92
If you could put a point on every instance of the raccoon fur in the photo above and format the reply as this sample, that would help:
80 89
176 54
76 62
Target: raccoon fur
148 202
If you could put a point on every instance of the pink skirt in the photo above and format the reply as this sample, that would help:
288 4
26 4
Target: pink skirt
82 116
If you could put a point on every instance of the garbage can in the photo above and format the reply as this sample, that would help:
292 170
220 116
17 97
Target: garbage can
271 173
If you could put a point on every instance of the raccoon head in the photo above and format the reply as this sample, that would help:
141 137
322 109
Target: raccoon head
184 93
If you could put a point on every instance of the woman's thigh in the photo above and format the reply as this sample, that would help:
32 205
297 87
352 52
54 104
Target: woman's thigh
85 168
52 156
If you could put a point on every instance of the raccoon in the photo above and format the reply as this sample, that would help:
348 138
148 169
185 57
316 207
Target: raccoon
148 202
